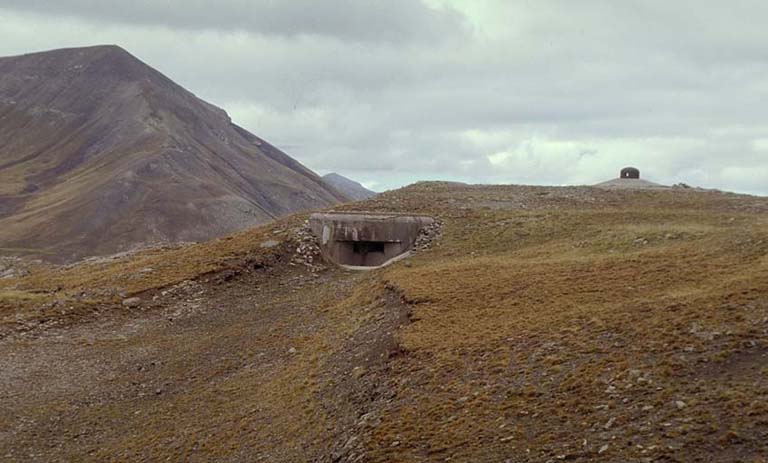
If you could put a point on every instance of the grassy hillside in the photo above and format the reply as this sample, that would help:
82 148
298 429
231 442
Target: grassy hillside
547 324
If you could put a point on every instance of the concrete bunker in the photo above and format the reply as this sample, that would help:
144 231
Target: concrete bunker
630 172
366 240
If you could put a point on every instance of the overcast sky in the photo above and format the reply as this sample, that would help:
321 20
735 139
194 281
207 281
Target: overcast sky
485 91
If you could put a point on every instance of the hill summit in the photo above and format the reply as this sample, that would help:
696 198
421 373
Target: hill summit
99 153
348 187
535 324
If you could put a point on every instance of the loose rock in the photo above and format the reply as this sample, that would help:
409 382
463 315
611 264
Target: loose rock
132 302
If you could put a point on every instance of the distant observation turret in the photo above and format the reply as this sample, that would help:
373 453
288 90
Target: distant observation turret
629 178
629 172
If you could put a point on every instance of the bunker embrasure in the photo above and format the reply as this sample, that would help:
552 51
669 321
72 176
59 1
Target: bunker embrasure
366 240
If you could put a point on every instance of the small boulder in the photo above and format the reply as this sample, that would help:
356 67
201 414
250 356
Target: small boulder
269 244
132 302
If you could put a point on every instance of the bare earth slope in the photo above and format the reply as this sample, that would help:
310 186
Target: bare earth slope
99 152
547 324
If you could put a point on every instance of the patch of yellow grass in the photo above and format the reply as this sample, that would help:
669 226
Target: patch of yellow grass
547 324
15 296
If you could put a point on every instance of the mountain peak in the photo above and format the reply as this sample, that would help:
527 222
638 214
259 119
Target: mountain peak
137 158
348 187
74 54
91 49
82 64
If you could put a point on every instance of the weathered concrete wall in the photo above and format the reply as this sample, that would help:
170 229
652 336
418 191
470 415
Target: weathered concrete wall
363 239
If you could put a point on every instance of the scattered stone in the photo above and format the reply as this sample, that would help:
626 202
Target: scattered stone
428 236
308 250
269 244
680 404
13 267
7 273
292 350
603 449
132 302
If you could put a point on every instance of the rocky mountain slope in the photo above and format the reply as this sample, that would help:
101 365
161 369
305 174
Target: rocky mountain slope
348 187
99 152
545 324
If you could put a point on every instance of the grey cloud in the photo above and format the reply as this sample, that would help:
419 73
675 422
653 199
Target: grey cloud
676 90
364 20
